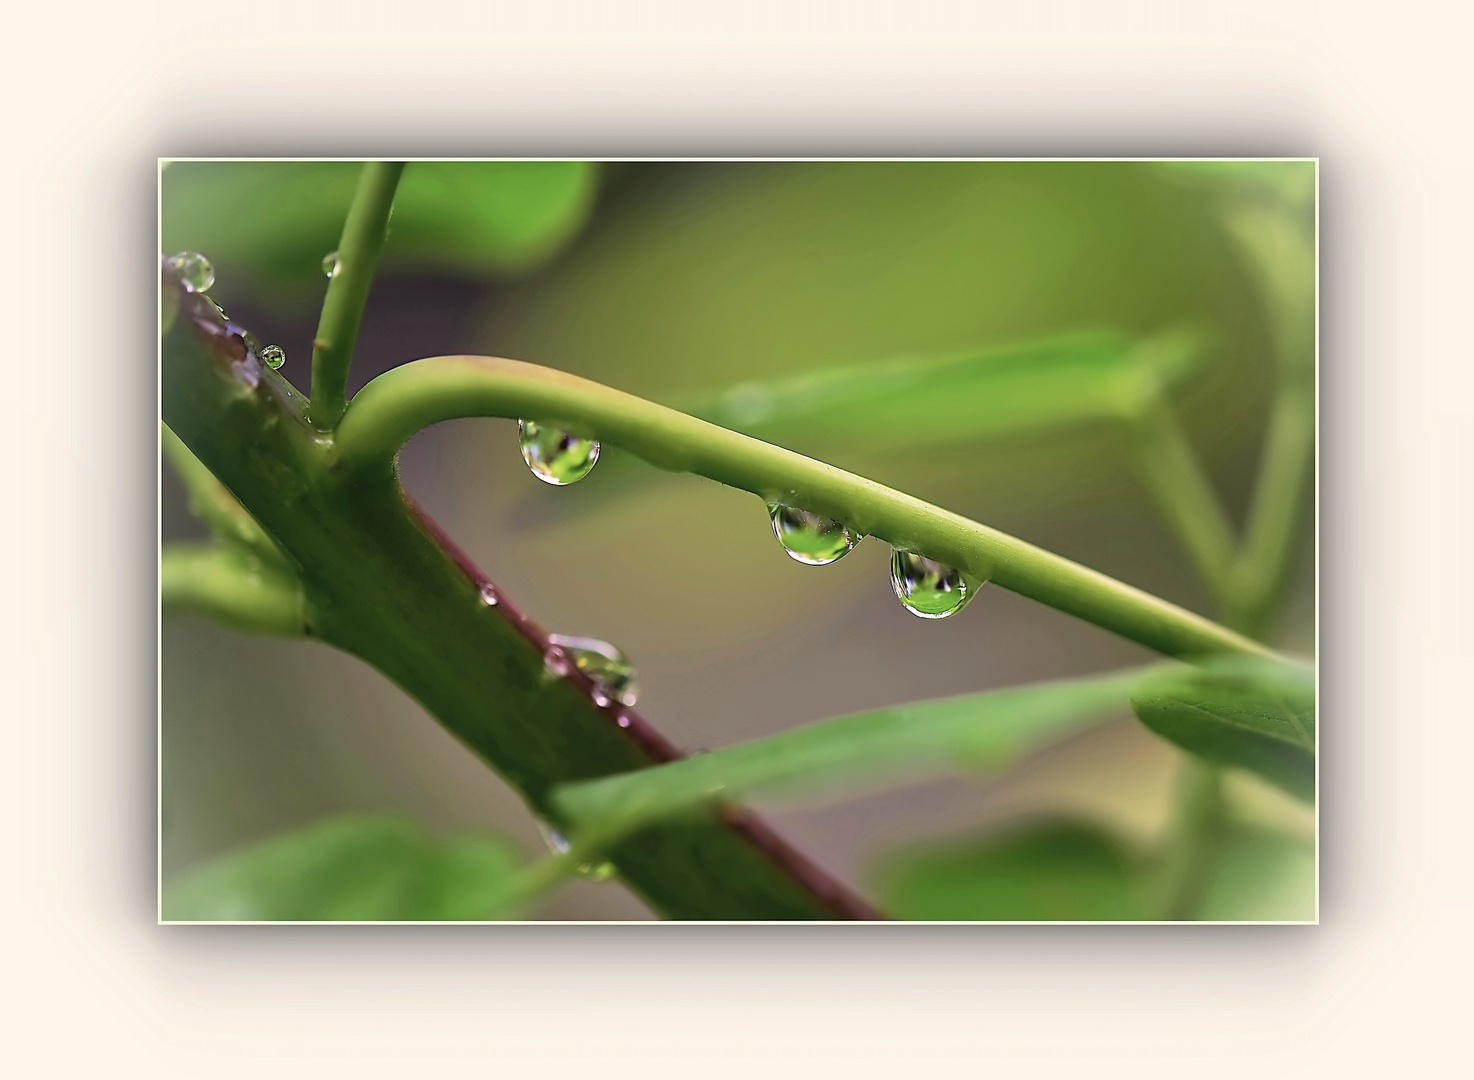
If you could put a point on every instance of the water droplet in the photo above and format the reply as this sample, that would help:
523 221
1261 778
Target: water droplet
489 596
193 270
556 661
811 538
556 841
273 356
330 264
558 845
928 588
609 669
554 456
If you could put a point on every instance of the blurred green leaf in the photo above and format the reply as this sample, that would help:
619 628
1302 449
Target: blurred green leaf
920 401
1052 871
979 730
1260 874
275 221
1290 183
372 868
1255 715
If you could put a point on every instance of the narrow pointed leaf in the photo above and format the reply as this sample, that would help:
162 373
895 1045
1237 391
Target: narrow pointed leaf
916 401
836 757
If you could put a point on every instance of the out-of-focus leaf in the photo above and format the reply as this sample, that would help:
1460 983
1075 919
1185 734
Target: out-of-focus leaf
1255 715
1291 183
275 221
1052 871
911 401
373 868
979 730
1261 874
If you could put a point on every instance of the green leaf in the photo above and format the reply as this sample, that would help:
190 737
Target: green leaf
979 730
916 401
1260 874
274 221
368 868
1251 714
1051 871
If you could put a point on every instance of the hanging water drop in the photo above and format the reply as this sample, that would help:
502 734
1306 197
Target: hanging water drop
273 356
193 270
489 596
554 456
330 264
929 589
608 669
811 538
558 844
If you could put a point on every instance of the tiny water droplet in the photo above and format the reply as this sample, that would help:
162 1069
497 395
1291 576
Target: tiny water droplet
556 841
556 661
624 720
558 845
330 264
554 456
489 596
273 356
194 271
811 538
929 589
608 669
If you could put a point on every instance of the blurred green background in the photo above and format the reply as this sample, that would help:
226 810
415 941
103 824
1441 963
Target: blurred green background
678 281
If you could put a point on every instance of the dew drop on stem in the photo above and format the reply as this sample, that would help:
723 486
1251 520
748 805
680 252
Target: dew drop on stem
608 669
811 538
273 356
929 589
601 870
554 456
330 264
194 271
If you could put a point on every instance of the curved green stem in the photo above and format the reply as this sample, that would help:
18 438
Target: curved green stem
358 253
231 588
394 406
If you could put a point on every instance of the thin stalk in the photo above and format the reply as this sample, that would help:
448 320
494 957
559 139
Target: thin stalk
1193 847
1274 515
231 588
394 406
1184 494
342 309
214 505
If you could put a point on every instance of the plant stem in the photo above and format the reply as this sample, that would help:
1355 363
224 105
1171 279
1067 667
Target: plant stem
229 587
1274 516
397 404
1184 494
1193 846
384 584
358 254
